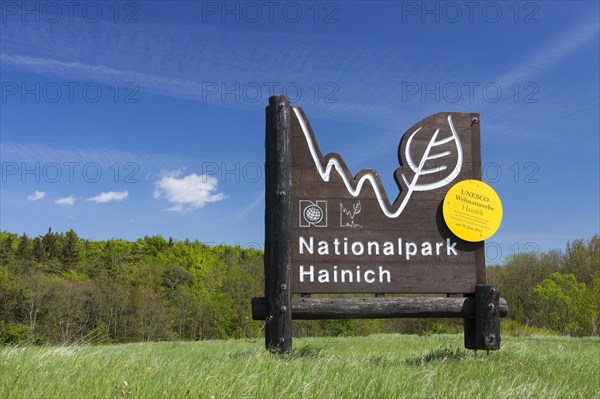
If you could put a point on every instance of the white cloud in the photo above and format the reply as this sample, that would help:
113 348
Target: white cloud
70 200
109 196
38 195
188 192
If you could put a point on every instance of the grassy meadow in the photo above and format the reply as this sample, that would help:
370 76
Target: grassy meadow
378 366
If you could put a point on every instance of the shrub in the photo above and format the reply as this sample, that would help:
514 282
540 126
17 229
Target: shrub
13 333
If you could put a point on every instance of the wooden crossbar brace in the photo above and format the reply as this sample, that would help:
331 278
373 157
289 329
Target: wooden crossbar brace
377 308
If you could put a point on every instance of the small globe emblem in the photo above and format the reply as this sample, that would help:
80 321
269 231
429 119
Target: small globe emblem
313 214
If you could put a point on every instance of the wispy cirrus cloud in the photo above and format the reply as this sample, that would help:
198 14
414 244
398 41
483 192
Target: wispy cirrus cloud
38 195
187 193
258 201
554 51
530 76
78 157
109 196
208 63
178 88
152 56
67 201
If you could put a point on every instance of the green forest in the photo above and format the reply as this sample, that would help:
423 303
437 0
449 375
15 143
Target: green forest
60 288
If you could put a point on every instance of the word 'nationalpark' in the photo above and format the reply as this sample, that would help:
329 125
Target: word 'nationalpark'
407 249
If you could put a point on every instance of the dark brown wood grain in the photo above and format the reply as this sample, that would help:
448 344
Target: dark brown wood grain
378 308
420 223
483 332
476 170
277 261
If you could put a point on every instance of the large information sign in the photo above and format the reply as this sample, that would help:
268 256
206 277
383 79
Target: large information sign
328 230
348 235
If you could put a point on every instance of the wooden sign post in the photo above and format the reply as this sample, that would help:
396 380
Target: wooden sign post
329 231
278 251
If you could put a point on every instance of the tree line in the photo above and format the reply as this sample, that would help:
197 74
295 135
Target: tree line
556 290
60 288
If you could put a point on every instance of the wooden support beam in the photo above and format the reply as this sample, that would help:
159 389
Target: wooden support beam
278 210
483 332
378 308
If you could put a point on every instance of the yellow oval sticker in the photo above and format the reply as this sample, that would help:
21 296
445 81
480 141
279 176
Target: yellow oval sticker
472 210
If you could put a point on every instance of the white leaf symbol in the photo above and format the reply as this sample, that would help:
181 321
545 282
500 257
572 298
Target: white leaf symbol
419 170
428 155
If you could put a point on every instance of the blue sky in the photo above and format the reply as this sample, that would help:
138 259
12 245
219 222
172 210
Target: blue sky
148 117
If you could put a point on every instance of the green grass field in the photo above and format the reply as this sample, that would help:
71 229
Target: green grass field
380 366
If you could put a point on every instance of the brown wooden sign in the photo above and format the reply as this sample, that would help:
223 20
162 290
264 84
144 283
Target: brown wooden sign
329 231
349 236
